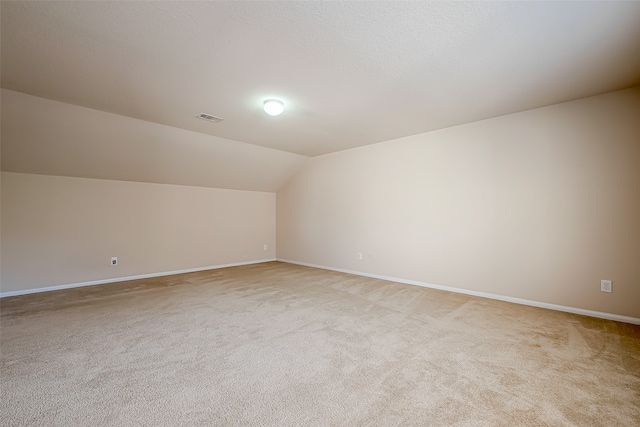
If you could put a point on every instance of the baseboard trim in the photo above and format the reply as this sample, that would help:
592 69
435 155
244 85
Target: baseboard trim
124 279
574 310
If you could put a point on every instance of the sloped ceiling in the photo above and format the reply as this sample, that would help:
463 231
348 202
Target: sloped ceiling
350 73
48 137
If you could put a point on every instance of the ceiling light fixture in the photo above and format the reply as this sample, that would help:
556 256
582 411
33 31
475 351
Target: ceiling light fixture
273 107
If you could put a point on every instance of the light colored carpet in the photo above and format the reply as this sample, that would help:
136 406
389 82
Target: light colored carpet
276 344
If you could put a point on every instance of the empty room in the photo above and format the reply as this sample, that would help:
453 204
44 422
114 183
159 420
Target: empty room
320 213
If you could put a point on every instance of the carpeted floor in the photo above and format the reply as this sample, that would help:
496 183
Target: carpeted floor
276 344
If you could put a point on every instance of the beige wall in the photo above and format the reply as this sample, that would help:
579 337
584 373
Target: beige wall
539 205
60 230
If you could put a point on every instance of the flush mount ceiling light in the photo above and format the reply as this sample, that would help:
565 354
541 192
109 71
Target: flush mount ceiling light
273 107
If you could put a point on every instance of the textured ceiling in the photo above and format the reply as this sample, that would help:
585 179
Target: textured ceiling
46 137
350 73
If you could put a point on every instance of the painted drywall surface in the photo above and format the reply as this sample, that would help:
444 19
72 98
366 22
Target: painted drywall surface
539 205
61 230
41 136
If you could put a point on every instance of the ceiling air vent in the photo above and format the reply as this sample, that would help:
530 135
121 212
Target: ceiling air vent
209 117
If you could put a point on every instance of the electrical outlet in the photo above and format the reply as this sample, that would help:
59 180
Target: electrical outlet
265 247
360 256
605 285
114 260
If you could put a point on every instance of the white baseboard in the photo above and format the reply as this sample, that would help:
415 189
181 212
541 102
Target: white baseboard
599 314
123 279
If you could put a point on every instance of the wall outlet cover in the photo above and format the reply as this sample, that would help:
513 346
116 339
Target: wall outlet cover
605 285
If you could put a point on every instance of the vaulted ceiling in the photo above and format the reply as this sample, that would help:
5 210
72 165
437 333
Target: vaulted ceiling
349 73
